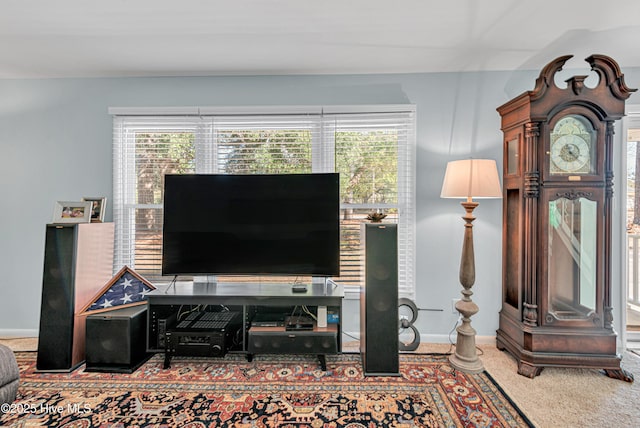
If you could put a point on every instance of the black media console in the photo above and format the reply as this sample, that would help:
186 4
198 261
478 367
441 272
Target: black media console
250 318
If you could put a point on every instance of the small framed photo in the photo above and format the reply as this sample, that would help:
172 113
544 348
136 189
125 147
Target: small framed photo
98 208
72 212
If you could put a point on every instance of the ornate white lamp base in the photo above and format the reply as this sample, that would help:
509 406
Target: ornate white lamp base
466 358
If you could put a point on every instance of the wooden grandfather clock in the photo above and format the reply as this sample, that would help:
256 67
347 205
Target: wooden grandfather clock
557 214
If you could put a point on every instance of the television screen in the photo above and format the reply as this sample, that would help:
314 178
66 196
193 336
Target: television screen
251 225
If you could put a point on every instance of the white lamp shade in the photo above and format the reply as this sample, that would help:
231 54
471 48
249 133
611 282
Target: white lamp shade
471 178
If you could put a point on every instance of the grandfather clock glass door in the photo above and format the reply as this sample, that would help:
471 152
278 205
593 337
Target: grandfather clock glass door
573 262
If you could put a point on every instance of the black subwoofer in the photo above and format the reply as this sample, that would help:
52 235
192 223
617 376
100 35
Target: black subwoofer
116 340
379 301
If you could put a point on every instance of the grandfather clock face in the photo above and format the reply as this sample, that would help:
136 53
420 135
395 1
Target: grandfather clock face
572 148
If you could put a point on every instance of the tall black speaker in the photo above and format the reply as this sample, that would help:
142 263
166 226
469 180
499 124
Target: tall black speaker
117 340
379 300
78 261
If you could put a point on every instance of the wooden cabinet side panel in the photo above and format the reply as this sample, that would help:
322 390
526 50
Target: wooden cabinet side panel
94 268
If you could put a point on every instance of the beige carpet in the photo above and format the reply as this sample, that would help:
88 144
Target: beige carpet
20 344
557 398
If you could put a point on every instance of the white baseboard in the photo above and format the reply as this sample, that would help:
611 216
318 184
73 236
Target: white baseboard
433 338
444 338
18 333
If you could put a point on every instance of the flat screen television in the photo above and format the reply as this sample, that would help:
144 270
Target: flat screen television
218 224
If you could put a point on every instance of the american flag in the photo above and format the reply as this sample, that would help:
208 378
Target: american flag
126 290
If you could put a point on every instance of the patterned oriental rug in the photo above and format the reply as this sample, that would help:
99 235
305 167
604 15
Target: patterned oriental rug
270 391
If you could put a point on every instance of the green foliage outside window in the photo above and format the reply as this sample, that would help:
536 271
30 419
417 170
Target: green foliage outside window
368 165
264 152
158 154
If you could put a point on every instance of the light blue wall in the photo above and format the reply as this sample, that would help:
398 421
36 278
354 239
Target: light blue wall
56 144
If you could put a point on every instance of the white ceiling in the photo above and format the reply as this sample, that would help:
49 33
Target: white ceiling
91 38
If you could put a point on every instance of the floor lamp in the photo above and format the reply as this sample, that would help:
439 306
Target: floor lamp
468 179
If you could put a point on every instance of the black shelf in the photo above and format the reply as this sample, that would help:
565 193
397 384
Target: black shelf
250 300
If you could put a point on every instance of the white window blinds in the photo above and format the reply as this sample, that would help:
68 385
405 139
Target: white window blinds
373 152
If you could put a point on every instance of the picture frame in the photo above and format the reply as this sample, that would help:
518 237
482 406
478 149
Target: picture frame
72 212
125 289
98 207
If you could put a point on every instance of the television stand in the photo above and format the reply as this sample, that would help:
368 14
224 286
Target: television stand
168 307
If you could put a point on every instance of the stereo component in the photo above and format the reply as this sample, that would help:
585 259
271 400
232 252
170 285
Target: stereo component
161 319
164 325
275 340
202 334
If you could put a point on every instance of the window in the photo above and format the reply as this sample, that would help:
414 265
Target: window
373 149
